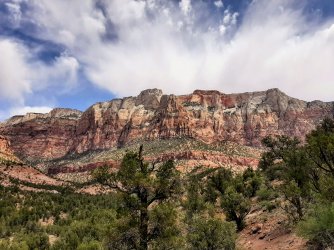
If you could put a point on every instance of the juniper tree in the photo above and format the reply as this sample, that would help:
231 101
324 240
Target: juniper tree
142 184
287 161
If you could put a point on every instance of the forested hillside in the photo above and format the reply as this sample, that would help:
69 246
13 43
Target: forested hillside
148 205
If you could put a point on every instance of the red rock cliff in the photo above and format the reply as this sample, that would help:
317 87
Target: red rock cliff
205 115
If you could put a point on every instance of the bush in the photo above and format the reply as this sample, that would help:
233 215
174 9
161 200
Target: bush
236 207
212 234
266 193
268 205
319 227
251 180
92 245
169 235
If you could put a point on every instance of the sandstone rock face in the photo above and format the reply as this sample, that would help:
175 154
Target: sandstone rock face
6 153
38 136
4 146
209 116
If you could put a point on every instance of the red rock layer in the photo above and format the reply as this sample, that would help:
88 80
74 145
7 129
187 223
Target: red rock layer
209 116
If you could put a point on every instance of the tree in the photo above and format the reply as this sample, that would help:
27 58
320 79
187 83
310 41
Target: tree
320 151
236 206
251 181
219 181
141 184
320 146
232 191
166 233
287 161
195 201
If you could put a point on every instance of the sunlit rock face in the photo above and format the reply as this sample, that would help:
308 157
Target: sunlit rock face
209 116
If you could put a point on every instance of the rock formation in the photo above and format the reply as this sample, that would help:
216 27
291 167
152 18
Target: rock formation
209 116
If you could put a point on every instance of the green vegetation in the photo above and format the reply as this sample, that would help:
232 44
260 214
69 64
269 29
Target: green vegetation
150 206
207 234
152 148
142 185
154 206
192 104
28 219
318 226
303 175
234 192
8 162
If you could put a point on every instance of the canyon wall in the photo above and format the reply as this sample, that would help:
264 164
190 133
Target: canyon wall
209 116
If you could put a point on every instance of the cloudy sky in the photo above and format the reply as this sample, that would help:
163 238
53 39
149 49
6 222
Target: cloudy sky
72 53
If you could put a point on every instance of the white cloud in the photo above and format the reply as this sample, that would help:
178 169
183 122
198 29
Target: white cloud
222 29
234 18
264 53
80 25
227 17
28 109
62 72
14 71
21 75
179 48
185 6
219 4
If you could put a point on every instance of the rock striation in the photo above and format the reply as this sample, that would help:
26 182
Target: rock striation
209 116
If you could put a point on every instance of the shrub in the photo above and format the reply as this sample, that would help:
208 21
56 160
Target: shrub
236 207
268 205
92 245
212 234
266 193
319 227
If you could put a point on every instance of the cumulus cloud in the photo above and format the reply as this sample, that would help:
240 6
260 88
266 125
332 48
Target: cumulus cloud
125 46
21 74
219 4
162 45
62 73
14 71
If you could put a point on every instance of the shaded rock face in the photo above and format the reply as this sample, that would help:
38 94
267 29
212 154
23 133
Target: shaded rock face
209 116
37 136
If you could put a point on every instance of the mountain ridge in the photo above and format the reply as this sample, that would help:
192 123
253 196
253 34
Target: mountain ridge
206 115
57 110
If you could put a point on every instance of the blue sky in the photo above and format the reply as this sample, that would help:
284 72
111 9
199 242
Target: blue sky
74 53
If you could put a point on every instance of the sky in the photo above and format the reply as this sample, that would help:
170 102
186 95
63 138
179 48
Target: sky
73 53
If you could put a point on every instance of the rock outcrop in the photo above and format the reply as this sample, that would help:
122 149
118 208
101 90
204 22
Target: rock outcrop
6 153
38 136
209 116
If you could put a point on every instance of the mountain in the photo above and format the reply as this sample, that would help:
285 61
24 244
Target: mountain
205 128
206 116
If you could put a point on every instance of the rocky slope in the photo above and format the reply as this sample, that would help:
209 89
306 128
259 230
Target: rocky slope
187 154
208 116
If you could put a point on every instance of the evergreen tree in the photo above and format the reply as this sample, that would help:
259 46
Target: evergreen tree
287 161
141 184
234 192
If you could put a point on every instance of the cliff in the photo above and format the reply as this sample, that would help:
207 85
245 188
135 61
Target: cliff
208 116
